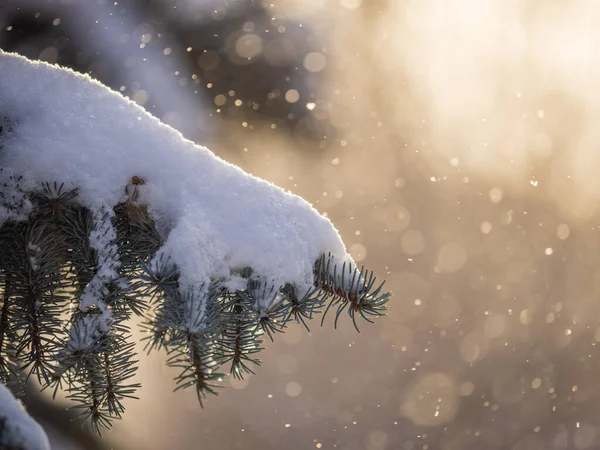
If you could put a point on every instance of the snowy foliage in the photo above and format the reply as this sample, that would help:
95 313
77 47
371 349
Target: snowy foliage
214 217
106 212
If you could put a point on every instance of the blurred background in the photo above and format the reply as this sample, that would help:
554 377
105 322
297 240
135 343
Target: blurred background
454 145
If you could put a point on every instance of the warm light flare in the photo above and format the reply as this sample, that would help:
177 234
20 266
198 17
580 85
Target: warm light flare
506 87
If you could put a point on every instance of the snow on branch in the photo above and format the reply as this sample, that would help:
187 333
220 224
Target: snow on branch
106 212
18 431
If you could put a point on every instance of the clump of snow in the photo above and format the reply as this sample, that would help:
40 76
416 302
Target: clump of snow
215 218
17 428
84 333
103 240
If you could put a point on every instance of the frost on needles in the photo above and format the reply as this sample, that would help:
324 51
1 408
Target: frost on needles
106 213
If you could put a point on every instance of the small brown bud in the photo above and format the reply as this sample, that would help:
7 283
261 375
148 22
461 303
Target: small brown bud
137 181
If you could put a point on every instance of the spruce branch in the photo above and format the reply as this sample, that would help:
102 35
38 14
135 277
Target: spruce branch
350 288
82 254
194 326
9 369
303 309
238 340
267 300
33 255
71 280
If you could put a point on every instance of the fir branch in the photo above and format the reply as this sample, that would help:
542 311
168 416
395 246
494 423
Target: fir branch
194 358
4 331
9 370
33 272
98 366
73 273
98 361
302 310
350 288
54 203
137 236
77 227
267 301
238 339
194 326
158 278
110 265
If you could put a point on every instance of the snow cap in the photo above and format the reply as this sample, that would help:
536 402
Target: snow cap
214 217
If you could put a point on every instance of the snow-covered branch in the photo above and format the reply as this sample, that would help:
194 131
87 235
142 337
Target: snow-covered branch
106 212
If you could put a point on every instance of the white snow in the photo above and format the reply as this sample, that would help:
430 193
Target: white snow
19 430
102 239
214 217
